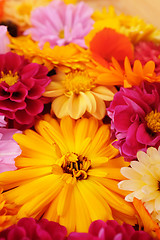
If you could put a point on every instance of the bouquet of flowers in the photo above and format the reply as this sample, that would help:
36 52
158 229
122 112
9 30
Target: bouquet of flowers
79 123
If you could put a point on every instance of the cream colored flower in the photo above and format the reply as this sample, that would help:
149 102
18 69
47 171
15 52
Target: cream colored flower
144 180
76 93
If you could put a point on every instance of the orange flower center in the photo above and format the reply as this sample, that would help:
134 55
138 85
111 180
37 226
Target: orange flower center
153 121
77 165
61 34
10 78
78 81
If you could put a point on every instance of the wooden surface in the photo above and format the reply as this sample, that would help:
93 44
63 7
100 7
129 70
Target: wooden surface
149 10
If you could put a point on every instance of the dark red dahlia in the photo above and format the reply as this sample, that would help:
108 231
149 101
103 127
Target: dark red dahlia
110 230
21 86
29 229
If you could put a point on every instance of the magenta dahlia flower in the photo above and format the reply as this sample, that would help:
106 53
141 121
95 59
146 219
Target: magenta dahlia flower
146 51
28 229
60 23
4 48
110 230
21 87
135 114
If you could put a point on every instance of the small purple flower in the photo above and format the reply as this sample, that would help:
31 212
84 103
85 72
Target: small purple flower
110 230
135 114
28 228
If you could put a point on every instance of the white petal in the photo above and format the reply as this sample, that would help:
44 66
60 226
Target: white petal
130 173
130 185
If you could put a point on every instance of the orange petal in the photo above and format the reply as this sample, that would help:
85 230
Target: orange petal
108 43
148 223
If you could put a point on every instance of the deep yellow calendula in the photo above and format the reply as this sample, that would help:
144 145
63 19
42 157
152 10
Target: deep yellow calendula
68 172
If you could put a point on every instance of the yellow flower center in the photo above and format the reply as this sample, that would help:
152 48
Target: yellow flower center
78 81
24 9
10 78
61 34
153 121
77 165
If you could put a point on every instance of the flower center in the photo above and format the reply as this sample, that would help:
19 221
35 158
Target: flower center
10 78
24 9
61 34
79 81
153 121
77 165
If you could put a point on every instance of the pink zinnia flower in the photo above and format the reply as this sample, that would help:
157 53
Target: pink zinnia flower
4 40
21 86
28 228
135 114
110 230
61 24
146 51
9 149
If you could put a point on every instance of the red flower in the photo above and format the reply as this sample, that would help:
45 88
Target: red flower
21 86
108 43
28 228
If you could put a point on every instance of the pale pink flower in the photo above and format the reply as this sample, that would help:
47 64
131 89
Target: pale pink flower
60 23
9 149
4 40
2 121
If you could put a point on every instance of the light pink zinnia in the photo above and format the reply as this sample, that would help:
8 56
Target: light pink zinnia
9 149
61 24
4 40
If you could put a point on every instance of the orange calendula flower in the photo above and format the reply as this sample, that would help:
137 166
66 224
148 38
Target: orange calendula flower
108 43
7 213
70 56
68 173
129 76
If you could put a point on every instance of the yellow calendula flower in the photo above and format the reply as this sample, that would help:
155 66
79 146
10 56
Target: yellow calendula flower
131 26
7 213
68 173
